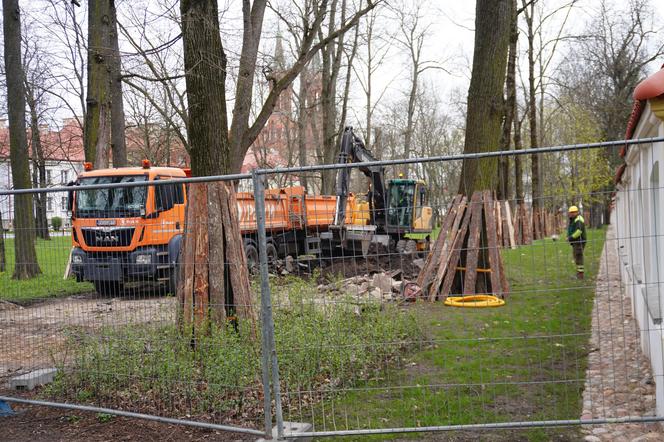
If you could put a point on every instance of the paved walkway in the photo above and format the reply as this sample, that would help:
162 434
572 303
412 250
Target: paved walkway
619 382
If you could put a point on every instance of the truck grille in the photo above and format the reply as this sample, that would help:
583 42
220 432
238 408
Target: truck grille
108 238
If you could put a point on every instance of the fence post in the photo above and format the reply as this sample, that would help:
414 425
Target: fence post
269 356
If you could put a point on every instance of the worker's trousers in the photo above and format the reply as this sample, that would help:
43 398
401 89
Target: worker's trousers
577 250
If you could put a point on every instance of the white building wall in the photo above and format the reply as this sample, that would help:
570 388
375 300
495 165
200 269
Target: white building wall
59 172
639 220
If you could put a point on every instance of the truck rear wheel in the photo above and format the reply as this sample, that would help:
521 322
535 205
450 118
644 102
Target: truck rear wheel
109 288
272 253
252 257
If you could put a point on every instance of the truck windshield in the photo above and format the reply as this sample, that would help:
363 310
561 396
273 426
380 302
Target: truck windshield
111 203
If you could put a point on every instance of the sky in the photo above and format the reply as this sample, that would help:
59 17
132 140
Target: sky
452 40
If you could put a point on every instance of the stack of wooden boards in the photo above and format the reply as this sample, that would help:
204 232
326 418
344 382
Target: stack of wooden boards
465 258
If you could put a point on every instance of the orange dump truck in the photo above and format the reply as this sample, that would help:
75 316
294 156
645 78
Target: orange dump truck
124 235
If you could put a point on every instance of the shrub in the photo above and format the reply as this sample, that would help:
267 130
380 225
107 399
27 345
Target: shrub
340 344
56 223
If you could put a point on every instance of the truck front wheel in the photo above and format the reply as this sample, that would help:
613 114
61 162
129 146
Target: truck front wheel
109 288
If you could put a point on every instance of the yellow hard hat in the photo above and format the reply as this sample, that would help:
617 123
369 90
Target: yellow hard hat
572 209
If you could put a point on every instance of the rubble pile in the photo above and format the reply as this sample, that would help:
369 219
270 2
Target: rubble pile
382 286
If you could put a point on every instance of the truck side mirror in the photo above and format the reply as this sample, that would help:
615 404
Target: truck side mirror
70 197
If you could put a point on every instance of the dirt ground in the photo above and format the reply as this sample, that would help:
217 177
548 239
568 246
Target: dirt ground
35 423
33 336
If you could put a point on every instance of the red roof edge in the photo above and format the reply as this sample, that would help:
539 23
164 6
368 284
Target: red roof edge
637 110
651 87
619 173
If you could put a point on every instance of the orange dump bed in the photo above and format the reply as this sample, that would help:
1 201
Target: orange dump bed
290 208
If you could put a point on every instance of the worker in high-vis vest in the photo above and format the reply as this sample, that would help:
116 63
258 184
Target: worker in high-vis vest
576 236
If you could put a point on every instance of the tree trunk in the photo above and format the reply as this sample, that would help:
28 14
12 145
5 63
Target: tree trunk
3 259
212 240
331 66
98 101
532 122
38 169
26 265
302 114
509 108
251 35
410 116
118 144
485 95
518 159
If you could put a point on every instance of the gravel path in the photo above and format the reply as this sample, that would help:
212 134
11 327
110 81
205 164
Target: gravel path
619 381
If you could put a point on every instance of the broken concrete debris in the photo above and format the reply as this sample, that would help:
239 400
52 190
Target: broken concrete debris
379 286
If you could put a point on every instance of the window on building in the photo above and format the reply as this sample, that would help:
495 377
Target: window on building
49 204
64 176
49 176
63 203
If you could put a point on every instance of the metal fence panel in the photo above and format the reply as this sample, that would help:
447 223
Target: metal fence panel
348 341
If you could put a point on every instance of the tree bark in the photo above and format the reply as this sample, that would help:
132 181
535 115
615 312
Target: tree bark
118 143
485 95
26 265
98 101
212 239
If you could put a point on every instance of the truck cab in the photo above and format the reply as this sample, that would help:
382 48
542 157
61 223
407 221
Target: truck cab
127 235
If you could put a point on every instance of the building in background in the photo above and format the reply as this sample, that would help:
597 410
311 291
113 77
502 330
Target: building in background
63 160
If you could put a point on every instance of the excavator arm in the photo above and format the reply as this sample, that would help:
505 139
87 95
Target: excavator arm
353 150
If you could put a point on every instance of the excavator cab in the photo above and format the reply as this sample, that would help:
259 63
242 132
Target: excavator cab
407 207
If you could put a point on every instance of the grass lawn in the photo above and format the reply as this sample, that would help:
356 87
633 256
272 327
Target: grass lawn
52 256
525 361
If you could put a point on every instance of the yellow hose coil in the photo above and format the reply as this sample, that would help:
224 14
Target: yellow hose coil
474 301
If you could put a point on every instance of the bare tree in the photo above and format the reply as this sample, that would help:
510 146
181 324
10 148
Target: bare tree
332 53
37 74
26 265
374 48
604 64
156 70
413 32
69 60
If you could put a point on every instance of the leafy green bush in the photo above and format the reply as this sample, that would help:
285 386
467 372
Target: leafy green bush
338 344
56 223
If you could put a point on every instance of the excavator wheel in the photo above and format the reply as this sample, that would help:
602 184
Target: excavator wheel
406 246
411 247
